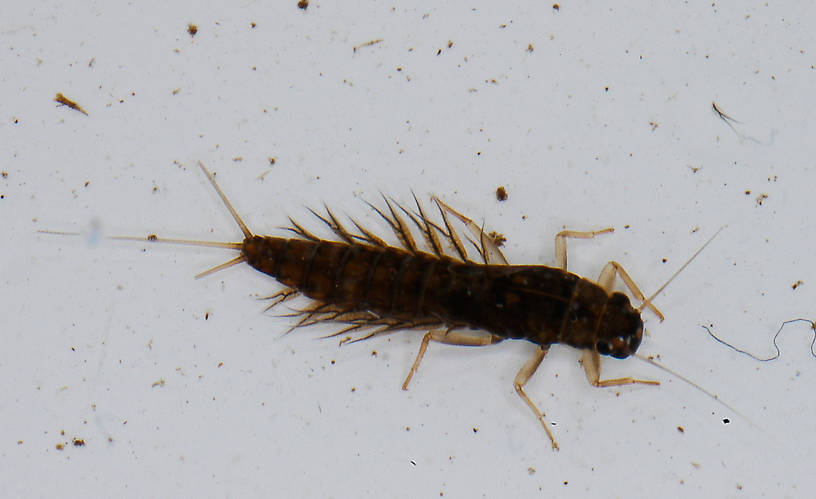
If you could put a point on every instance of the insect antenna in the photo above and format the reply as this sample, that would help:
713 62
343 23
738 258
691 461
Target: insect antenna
679 376
648 300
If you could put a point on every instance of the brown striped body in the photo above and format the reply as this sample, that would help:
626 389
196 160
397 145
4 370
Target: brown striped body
541 304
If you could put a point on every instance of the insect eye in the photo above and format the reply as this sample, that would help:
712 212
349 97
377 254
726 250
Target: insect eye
619 343
603 348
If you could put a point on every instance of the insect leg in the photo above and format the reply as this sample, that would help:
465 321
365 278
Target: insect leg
451 338
607 280
523 376
561 242
591 360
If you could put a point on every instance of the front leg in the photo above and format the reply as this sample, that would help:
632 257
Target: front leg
591 360
607 281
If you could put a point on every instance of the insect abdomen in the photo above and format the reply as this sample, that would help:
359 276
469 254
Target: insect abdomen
537 303
353 276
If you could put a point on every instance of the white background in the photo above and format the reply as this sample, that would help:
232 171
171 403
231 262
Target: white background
607 121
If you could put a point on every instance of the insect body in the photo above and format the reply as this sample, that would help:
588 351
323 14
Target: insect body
369 286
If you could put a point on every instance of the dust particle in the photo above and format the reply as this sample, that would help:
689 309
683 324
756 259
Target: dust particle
192 29
303 4
681 429
65 101
497 238
79 442
797 284
501 193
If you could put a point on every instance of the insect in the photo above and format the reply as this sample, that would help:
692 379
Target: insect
373 288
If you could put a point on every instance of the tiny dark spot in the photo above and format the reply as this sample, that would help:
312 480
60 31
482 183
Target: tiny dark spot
302 4
501 193
78 442
681 429
152 237
192 29
556 7
726 420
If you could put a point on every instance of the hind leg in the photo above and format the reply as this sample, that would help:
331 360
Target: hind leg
450 338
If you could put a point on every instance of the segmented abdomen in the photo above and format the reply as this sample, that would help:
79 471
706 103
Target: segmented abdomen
537 303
